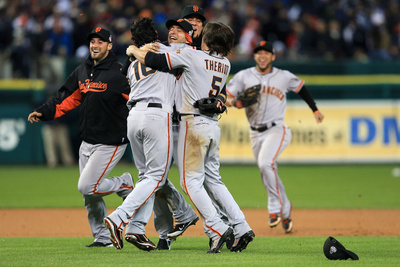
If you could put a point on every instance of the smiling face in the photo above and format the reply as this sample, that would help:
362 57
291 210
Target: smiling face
264 60
177 35
99 49
197 25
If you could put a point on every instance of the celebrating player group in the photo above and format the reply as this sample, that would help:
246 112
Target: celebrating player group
166 101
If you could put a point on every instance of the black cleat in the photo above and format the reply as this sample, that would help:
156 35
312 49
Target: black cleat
242 242
181 228
115 233
99 244
140 241
164 244
217 243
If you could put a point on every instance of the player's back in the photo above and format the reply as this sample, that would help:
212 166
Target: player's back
204 75
151 85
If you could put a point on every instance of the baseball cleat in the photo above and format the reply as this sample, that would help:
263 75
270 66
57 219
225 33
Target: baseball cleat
229 243
164 244
287 225
140 241
242 242
274 219
217 243
99 244
181 228
115 233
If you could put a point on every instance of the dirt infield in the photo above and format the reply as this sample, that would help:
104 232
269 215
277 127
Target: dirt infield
73 223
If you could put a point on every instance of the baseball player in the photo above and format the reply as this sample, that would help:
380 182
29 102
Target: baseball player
204 75
169 198
195 16
178 32
163 218
98 86
269 134
151 101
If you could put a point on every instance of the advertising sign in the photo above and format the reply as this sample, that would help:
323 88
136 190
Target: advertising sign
352 131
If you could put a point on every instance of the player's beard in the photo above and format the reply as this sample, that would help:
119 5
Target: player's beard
97 57
264 67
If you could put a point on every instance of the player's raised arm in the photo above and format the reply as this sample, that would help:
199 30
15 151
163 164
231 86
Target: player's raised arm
135 51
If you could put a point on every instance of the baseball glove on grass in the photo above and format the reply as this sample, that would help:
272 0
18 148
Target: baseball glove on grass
248 97
208 106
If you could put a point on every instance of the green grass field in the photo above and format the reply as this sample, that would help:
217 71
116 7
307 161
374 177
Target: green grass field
308 186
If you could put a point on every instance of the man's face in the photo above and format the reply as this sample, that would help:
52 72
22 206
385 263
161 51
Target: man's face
176 35
197 25
99 49
264 59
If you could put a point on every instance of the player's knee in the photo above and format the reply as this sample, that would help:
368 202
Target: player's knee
265 166
85 189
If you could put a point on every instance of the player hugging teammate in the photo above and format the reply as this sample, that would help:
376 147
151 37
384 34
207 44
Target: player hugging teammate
199 133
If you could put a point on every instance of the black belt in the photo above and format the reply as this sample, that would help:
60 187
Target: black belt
149 105
262 128
186 114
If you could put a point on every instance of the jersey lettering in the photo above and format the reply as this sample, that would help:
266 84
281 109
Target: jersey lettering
216 66
146 71
91 86
273 91
215 85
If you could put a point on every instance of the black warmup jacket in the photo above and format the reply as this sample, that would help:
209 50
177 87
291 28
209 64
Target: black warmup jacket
102 92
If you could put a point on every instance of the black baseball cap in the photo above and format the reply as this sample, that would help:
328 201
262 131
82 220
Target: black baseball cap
101 33
193 10
264 45
333 250
186 26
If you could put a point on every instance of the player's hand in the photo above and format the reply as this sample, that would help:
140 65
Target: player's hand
34 116
130 49
229 102
319 117
151 47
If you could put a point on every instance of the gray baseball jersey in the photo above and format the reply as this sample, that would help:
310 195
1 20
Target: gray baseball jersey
200 69
273 135
271 106
150 135
203 75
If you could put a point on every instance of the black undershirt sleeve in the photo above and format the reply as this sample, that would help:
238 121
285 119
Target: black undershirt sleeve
126 65
306 96
156 61
222 95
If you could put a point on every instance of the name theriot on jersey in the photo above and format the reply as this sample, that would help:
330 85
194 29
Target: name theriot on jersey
216 66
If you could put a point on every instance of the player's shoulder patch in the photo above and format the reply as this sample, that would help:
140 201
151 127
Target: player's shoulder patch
179 50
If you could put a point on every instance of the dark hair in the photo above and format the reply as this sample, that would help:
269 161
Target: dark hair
143 31
219 38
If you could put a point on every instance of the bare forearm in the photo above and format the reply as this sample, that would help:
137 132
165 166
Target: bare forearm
139 54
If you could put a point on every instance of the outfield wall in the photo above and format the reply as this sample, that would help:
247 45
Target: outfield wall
356 131
360 102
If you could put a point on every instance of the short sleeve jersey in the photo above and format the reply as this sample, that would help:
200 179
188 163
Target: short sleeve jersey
204 75
271 106
152 85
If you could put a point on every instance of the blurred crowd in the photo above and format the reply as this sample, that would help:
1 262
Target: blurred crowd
37 36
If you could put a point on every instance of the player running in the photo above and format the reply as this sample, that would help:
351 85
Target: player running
269 134
98 86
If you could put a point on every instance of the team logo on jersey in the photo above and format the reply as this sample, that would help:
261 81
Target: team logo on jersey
178 51
270 90
97 87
